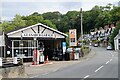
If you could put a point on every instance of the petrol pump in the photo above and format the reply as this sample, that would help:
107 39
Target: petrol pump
41 50
38 56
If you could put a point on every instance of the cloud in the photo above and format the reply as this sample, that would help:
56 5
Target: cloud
25 7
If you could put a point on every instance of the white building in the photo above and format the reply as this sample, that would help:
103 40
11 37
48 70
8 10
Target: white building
117 42
24 41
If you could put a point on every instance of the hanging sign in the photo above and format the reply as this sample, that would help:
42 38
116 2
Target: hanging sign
73 37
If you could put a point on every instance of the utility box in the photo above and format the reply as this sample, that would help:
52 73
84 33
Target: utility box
15 60
76 56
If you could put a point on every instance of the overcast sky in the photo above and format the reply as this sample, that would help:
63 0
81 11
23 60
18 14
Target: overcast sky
27 7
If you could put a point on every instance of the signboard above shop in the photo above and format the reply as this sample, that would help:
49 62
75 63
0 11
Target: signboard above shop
37 35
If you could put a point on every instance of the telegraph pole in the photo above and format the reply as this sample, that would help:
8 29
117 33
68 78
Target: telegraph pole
81 26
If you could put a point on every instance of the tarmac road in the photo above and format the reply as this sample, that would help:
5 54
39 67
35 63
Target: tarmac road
103 65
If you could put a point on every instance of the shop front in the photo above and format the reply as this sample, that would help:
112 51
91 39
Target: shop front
23 42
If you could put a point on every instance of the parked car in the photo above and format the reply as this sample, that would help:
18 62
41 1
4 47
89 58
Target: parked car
95 45
109 48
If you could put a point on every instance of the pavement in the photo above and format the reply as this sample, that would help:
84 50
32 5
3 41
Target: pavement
30 71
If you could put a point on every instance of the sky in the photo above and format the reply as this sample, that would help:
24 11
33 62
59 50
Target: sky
9 8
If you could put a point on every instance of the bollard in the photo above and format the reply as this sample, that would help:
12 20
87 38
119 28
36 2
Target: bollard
0 62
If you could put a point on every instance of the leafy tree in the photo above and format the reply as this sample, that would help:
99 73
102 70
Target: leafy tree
103 19
33 19
49 23
18 22
114 33
115 14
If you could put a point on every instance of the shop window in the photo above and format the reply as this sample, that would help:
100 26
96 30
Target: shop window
119 40
16 43
25 43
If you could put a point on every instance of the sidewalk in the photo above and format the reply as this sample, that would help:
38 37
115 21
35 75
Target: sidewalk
30 71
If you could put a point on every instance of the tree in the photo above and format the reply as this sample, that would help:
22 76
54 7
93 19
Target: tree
115 14
49 23
33 19
114 33
18 21
104 18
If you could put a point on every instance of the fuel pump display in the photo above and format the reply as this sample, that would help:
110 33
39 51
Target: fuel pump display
41 49
38 56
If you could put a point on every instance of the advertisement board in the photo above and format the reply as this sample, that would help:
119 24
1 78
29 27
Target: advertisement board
64 47
72 37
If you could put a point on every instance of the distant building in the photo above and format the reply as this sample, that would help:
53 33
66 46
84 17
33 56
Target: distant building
102 34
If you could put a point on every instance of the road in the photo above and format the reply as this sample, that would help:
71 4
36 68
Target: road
103 65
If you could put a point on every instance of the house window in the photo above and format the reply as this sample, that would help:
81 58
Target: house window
119 40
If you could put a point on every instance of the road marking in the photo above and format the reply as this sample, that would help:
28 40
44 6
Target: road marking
98 68
86 76
112 55
110 59
107 62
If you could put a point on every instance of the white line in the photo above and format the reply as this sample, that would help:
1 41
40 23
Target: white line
86 76
110 59
98 68
112 55
107 62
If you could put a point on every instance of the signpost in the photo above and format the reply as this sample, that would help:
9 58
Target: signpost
73 40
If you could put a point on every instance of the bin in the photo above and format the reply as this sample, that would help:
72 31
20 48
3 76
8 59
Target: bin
68 56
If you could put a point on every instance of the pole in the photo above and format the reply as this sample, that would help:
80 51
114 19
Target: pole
4 45
73 52
81 27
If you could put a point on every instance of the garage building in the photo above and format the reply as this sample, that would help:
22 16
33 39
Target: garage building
22 42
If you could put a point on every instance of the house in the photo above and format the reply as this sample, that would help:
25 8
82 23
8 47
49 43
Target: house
117 41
